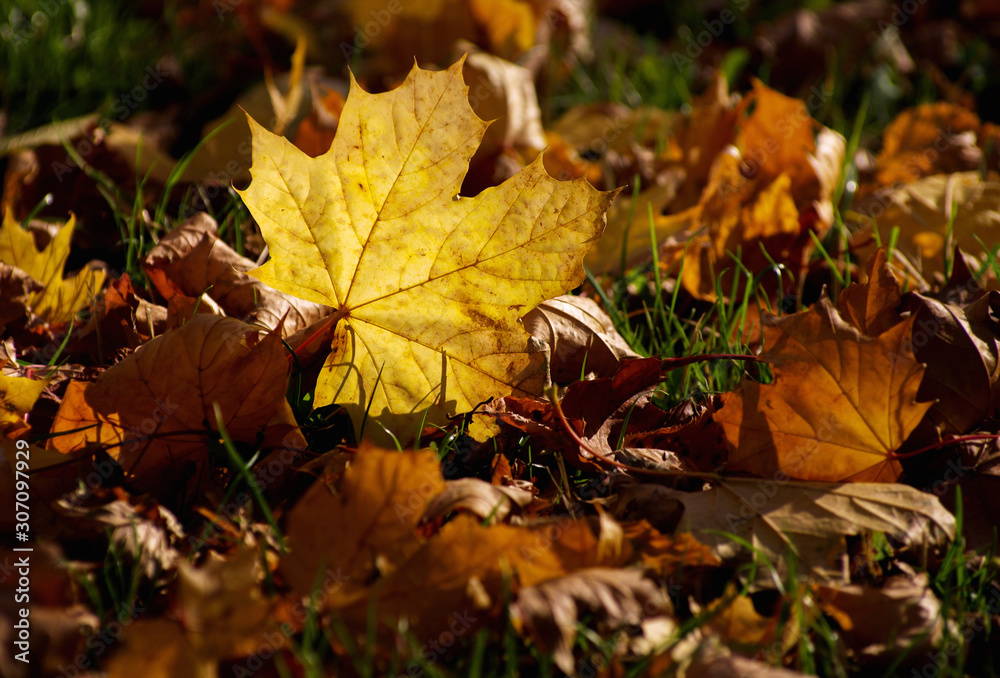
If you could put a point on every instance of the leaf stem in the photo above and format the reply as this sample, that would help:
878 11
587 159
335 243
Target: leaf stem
943 443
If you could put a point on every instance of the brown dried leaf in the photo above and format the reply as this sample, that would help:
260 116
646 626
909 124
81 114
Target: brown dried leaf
191 261
811 519
840 406
961 348
147 530
581 337
376 507
934 138
770 188
550 611
497 503
152 408
879 625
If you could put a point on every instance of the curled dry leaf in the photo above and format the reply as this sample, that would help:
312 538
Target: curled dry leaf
428 288
901 619
581 338
549 612
493 503
811 519
151 409
961 347
840 406
59 298
147 530
191 261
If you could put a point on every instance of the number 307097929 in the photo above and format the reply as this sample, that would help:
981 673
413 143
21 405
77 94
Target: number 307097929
21 512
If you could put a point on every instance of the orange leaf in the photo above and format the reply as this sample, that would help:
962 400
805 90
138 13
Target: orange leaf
379 502
152 408
841 403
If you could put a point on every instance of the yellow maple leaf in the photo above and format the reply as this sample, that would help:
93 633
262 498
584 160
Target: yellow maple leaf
60 299
428 288
17 397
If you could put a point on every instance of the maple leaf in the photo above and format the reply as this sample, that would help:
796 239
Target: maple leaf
150 409
59 299
17 397
944 336
428 287
840 405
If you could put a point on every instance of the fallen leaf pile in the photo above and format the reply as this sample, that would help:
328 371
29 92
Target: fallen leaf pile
428 393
